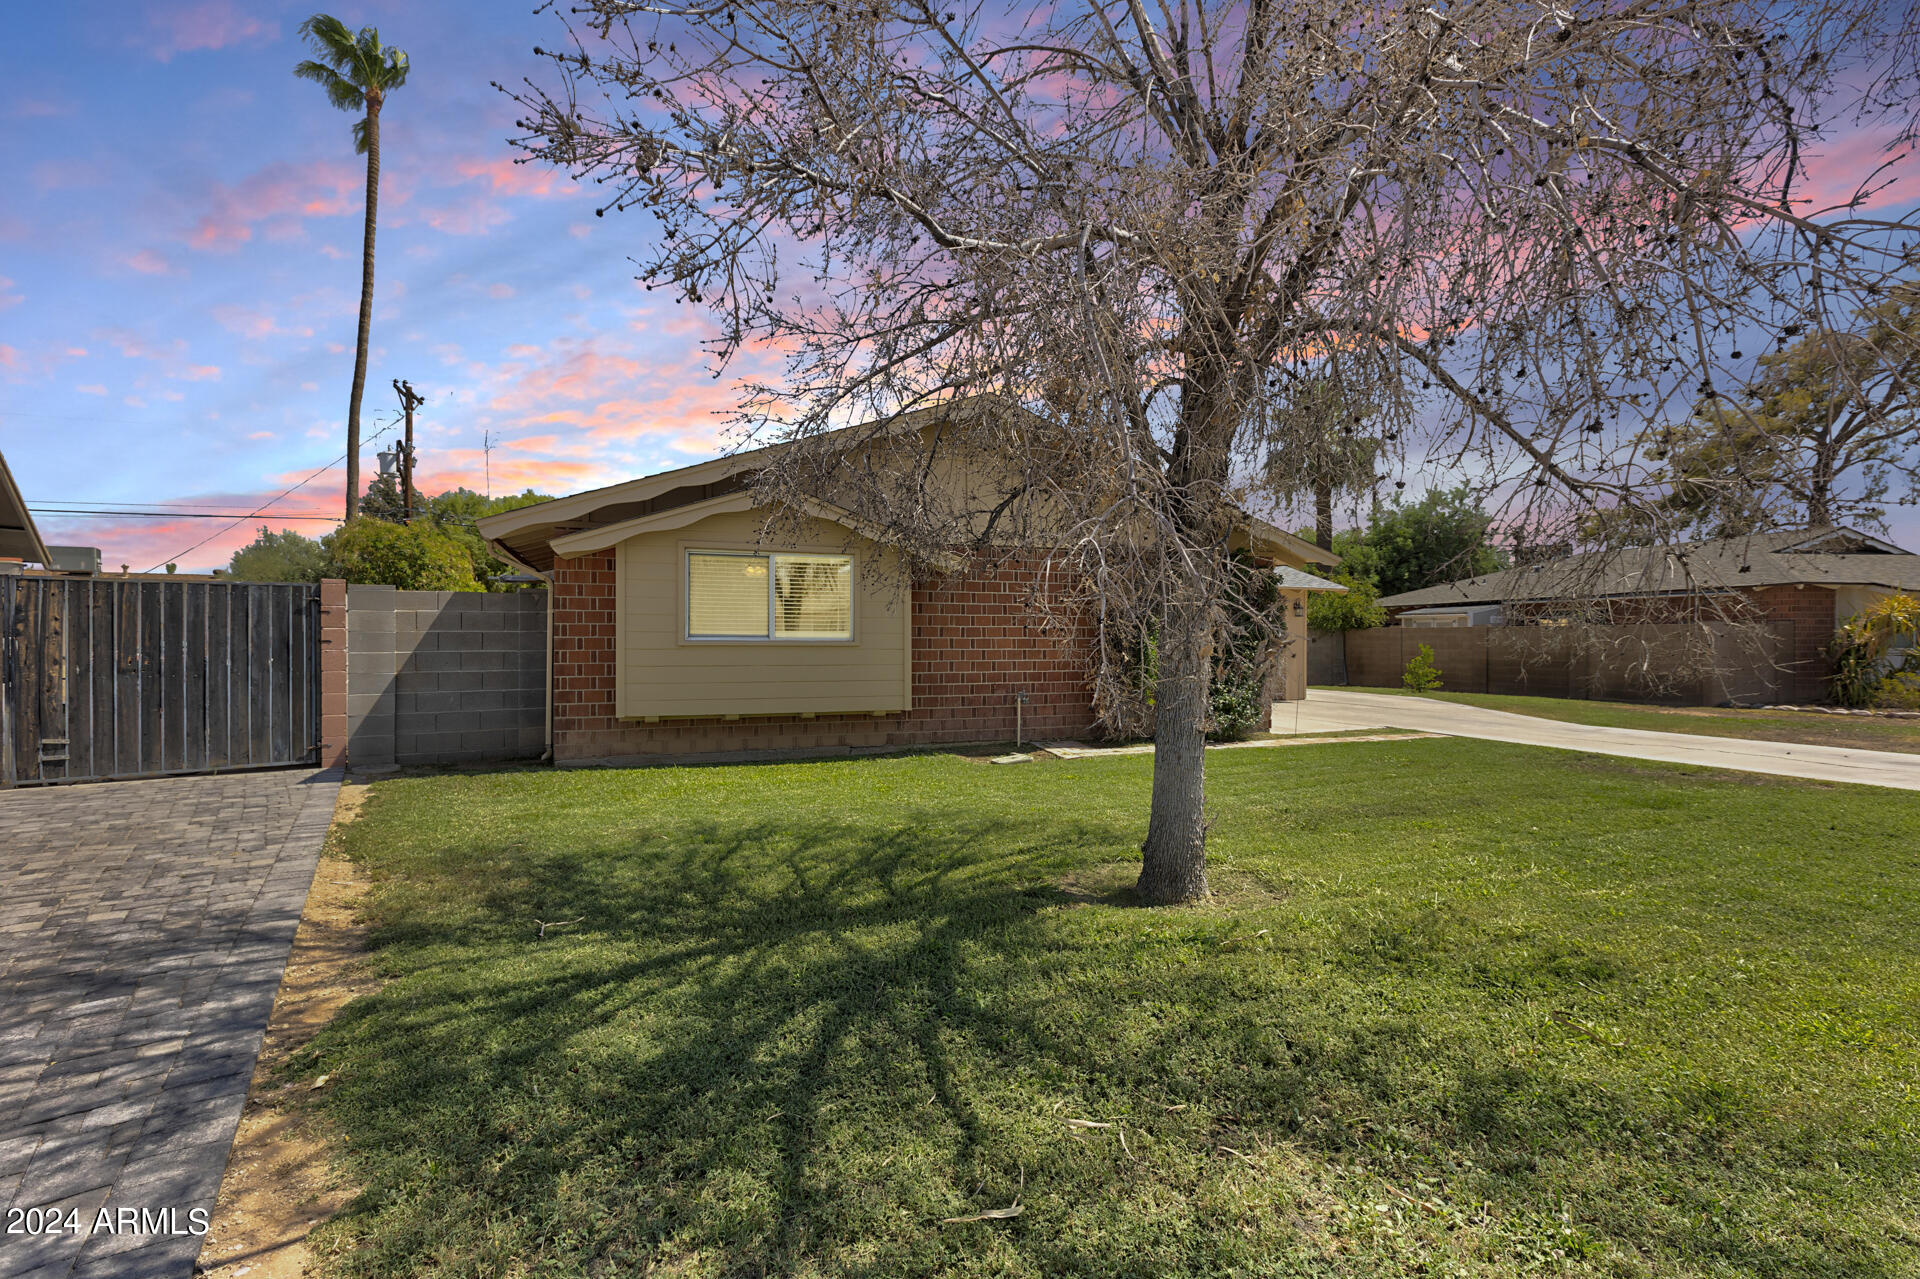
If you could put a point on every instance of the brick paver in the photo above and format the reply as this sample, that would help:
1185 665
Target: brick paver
143 929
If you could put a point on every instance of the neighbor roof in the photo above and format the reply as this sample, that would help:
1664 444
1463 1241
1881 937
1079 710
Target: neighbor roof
19 539
1813 556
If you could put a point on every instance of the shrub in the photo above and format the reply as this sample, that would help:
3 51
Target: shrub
413 557
1860 647
1422 676
1239 709
1899 691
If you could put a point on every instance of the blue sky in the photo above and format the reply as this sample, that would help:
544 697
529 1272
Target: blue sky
180 263
179 271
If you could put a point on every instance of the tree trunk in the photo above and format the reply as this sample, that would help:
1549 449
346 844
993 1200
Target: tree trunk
1820 490
1323 515
366 308
1173 863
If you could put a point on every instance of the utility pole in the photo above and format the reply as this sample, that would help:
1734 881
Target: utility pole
409 401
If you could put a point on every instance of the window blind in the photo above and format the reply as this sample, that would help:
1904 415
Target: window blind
813 597
726 595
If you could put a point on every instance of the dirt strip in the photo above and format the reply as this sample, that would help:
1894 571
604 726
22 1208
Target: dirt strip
279 1182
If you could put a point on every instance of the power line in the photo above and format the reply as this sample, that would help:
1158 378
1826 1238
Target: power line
261 510
177 515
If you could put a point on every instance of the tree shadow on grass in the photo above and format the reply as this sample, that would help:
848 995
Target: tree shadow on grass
797 1046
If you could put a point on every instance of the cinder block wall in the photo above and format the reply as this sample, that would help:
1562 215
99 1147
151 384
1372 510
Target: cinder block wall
441 677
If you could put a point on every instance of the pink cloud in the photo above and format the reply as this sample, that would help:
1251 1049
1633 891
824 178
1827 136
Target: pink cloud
533 444
280 195
210 24
249 322
36 109
147 262
502 291
66 174
10 358
507 176
133 346
7 296
469 468
1834 175
199 373
472 215
145 544
91 388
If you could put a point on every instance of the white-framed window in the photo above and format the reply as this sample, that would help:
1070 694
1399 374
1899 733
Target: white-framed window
753 595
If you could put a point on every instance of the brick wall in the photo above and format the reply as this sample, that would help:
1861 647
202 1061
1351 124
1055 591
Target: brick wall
977 640
438 677
1809 612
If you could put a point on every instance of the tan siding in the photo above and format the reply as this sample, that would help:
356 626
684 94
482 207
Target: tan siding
660 673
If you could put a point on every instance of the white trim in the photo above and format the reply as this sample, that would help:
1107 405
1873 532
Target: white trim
599 539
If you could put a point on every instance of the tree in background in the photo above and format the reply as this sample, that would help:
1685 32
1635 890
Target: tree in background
1121 219
357 72
1443 536
456 513
1323 450
1826 434
1355 609
285 556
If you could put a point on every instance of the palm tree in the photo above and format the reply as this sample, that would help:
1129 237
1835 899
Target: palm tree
1319 450
358 72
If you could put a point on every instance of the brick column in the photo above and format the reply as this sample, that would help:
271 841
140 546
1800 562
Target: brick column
333 672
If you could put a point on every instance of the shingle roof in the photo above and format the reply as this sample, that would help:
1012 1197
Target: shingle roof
1819 556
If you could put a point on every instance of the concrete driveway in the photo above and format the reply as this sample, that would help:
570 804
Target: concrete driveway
143 930
1334 710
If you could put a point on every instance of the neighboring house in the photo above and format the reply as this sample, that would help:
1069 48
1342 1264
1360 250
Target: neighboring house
19 539
1807 581
676 630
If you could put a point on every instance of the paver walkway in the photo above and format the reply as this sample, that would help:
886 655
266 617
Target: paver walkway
143 930
1333 710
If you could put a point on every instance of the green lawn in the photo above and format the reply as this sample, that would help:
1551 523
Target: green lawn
1461 1008
1714 721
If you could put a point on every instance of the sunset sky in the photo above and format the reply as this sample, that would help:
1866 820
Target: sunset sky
179 276
179 268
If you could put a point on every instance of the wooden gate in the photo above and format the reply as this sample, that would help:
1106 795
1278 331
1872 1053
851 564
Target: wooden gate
114 679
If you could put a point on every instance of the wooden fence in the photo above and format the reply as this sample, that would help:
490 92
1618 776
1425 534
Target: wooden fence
111 679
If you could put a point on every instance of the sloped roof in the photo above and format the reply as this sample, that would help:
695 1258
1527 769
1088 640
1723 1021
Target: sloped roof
19 539
527 534
1813 556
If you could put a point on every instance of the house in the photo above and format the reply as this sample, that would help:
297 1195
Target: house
1805 581
19 539
678 628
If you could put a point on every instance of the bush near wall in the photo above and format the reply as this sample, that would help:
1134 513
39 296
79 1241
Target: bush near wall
413 557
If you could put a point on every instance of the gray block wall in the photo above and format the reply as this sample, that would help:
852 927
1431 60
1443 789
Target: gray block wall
443 677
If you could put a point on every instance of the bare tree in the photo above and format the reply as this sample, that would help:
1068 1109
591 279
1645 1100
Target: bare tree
1515 222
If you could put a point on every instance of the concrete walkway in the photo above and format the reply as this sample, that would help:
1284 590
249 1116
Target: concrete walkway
1333 710
143 930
